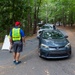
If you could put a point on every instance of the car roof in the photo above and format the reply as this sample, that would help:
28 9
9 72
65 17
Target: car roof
48 25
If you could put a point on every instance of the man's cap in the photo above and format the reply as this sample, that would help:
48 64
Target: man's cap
17 23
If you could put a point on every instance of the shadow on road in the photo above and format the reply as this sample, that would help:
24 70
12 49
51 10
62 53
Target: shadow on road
59 59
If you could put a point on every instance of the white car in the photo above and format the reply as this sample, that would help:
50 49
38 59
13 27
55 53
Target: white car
44 27
59 23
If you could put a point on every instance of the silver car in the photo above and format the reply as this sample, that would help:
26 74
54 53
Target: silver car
44 27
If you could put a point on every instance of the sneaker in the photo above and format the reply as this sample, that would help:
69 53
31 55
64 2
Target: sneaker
16 63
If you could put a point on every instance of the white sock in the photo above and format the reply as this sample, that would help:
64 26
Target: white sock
16 61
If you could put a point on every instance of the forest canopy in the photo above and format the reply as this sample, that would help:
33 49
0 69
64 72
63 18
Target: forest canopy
31 12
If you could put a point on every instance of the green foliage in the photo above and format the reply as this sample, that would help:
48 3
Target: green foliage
17 10
28 12
58 10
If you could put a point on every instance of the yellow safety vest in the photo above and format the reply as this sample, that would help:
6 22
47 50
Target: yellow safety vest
16 36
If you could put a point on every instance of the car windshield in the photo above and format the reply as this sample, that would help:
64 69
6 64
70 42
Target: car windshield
45 27
52 35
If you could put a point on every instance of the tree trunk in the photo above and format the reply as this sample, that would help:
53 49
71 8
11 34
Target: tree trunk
35 25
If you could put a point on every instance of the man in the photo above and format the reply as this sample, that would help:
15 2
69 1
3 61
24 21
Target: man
54 27
17 38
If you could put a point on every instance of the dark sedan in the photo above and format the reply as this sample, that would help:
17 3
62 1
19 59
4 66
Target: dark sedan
53 44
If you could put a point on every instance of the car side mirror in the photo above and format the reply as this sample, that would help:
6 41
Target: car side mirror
66 36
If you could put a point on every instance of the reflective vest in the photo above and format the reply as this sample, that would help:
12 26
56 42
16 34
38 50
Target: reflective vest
16 36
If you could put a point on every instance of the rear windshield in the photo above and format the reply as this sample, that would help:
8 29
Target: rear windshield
45 27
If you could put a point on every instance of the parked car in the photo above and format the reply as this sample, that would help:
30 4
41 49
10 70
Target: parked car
53 44
59 24
44 27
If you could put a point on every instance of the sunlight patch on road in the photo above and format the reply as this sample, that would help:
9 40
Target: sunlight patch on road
4 67
47 72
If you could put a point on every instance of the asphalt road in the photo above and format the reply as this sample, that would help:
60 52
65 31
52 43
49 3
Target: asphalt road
32 64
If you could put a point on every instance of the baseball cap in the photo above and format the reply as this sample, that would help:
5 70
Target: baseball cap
17 23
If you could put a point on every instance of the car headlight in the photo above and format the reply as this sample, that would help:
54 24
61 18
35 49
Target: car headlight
68 45
44 46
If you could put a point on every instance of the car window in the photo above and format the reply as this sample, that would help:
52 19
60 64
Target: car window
52 35
45 27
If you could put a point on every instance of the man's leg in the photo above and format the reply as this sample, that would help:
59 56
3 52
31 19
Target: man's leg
14 57
18 50
17 56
